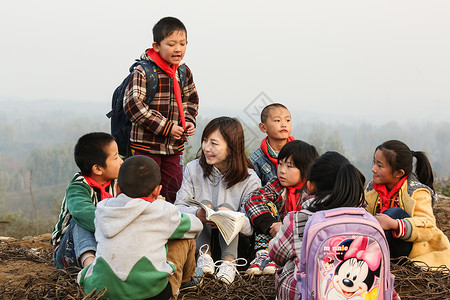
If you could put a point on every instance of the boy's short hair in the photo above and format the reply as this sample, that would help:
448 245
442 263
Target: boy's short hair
139 175
165 27
302 153
266 110
90 151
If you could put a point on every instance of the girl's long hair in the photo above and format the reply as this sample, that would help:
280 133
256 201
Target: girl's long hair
400 157
237 162
338 183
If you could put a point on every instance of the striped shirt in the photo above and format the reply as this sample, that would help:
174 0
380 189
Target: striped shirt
80 201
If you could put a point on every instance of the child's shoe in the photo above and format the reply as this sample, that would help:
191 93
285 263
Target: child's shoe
259 263
205 261
195 281
227 270
270 267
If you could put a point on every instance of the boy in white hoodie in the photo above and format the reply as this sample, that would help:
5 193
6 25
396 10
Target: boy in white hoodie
146 247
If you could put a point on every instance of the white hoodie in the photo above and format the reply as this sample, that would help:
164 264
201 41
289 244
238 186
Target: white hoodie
132 235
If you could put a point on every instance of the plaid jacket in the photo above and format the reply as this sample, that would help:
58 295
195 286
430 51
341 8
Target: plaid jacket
152 122
285 250
256 205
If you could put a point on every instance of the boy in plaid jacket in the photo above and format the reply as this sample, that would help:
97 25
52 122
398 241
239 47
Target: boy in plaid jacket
160 127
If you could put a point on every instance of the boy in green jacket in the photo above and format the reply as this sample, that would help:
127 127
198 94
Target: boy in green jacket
96 154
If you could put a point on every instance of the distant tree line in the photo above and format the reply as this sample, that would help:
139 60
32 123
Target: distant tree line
41 153
53 164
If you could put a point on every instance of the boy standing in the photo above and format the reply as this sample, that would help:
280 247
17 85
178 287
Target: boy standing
97 156
161 125
276 123
134 231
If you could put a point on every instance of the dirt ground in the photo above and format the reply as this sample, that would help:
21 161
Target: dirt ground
27 272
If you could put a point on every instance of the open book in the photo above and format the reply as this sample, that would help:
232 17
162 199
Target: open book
228 222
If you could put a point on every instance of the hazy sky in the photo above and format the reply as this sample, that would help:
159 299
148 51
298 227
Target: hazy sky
379 60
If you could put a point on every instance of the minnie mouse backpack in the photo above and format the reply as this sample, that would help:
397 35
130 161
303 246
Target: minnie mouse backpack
344 255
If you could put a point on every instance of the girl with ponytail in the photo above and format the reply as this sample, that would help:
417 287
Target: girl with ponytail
332 182
401 199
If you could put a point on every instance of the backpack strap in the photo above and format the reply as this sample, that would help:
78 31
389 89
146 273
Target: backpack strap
182 75
151 75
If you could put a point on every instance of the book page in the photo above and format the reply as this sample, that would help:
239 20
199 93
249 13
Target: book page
228 222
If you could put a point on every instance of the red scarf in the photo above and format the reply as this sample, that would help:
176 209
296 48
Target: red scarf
293 198
95 184
386 196
171 71
266 151
147 199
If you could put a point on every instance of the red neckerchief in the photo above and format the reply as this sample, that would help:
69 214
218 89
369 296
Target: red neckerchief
266 151
147 199
386 196
293 198
104 194
171 71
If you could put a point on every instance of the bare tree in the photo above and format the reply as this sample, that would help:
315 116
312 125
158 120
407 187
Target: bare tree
30 188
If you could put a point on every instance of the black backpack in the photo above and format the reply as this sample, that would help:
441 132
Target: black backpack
120 124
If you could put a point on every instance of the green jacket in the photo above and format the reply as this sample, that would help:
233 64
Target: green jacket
79 203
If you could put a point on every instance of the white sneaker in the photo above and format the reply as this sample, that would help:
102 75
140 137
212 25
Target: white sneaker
205 261
227 270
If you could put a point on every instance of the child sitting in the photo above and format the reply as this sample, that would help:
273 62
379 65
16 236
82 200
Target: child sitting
96 154
267 206
331 182
146 247
402 203
276 123
222 178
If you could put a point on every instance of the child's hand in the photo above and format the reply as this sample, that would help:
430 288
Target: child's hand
190 129
176 132
274 228
386 222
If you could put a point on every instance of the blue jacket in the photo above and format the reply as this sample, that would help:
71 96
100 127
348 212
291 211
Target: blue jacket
264 168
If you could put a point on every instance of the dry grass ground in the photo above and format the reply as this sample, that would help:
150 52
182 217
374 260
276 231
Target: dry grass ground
27 272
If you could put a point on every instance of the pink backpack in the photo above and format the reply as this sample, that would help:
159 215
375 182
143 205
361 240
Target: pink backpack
344 255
